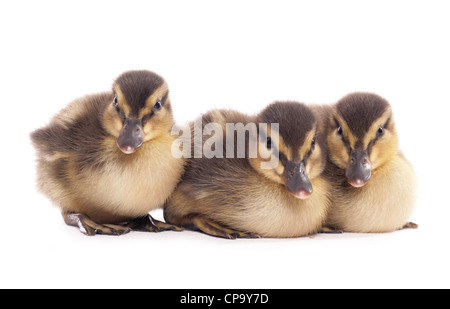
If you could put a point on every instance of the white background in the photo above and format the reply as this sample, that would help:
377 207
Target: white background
242 55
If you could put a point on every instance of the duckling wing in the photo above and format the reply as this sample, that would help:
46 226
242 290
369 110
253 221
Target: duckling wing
76 130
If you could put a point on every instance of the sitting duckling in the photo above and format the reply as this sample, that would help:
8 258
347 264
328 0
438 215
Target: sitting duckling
374 186
106 158
241 196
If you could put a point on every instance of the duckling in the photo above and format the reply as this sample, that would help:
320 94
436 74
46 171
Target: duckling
106 160
374 186
277 192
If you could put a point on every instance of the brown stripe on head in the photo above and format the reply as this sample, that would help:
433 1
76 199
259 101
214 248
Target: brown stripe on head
136 87
161 94
359 110
295 120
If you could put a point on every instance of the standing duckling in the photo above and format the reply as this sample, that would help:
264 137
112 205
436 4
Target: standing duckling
106 158
251 195
374 186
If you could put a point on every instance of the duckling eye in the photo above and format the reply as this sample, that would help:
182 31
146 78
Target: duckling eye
116 104
157 105
380 131
313 143
339 130
269 143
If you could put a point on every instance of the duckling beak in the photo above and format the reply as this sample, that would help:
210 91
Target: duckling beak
297 182
359 169
131 137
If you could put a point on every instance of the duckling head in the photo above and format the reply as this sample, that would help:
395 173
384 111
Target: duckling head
361 135
297 144
139 111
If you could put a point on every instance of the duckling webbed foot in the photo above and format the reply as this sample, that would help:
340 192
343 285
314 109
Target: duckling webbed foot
149 224
90 228
330 230
410 225
214 229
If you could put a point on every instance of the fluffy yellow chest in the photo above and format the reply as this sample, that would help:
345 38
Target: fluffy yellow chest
133 186
384 204
279 214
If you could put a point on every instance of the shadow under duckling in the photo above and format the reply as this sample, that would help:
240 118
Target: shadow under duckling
374 186
275 192
106 158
